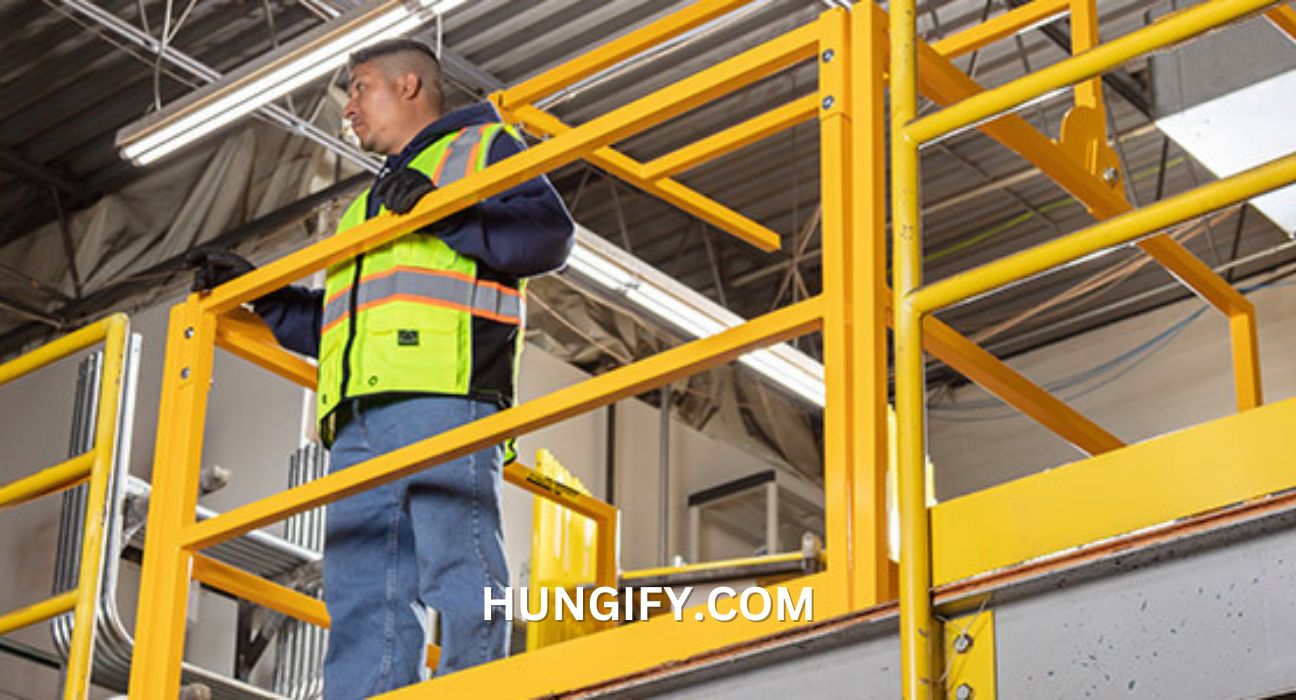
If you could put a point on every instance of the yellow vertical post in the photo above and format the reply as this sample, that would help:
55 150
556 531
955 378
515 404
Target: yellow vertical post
868 307
159 628
1246 359
81 651
1084 36
835 187
1084 129
917 634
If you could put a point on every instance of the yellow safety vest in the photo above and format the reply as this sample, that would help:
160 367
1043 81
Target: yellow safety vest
414 316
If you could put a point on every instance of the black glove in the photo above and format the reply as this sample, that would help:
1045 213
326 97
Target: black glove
400 190
214 267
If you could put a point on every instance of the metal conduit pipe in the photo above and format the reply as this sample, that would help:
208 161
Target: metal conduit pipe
663 548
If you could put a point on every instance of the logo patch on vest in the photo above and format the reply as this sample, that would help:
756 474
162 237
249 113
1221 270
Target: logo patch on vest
406 337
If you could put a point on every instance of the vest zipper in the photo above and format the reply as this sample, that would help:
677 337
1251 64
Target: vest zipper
353 310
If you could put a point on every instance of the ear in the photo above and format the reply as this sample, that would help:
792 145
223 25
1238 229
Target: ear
408 86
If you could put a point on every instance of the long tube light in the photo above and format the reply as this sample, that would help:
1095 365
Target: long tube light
315 54
602 263
272 76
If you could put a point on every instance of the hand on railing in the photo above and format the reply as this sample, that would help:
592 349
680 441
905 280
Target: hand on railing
214 267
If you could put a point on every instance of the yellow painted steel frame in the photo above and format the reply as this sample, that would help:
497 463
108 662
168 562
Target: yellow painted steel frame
607 518
1284 17
850 312
94 465
913 302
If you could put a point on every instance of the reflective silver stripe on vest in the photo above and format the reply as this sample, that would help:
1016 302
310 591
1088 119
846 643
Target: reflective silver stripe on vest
458 160
413 285
491 301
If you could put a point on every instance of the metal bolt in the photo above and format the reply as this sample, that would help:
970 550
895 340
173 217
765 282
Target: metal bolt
184 373
962 643
828 102
189 332
1110 176
828 56
963 692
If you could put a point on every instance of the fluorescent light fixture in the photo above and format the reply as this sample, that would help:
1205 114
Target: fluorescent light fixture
609 267
272 76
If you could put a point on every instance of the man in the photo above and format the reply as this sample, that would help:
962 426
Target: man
414 338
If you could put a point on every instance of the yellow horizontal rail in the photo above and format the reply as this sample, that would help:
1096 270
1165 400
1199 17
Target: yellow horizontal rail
618 50
733 138
52 351
616 653
1143 485
1105 234
671 365
646 112
547 487
49 480
1171 30
255 589
246 335
37 612
1001 27
543 124
630 576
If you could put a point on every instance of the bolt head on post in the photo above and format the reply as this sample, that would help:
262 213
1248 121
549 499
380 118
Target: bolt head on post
1111 176
963 692
963 643
828 102
184 373
828 56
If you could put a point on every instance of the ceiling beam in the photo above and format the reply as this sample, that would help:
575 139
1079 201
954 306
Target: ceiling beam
75 311
19 165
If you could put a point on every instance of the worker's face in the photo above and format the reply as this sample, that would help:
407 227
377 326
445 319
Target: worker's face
374 108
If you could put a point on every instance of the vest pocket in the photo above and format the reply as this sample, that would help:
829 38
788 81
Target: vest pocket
416 352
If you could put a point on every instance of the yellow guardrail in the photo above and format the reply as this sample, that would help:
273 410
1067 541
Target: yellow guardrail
93 466
989 110
855 52
172 552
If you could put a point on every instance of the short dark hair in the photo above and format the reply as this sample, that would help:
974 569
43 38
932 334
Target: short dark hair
402 56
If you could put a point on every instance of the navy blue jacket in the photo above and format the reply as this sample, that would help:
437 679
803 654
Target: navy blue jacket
521 232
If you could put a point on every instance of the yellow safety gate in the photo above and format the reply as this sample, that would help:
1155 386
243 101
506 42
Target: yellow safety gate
854 55
92 466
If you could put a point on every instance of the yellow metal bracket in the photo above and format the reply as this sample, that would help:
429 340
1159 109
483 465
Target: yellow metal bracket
1084 140
970 657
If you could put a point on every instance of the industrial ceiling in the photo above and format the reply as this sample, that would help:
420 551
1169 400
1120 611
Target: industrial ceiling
69 81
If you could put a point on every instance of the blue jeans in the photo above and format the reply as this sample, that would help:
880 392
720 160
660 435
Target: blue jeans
430 540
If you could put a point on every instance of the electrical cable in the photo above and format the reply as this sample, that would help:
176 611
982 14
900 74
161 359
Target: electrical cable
1120 365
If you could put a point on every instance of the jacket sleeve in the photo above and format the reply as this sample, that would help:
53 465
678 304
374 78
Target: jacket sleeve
293 314
522 231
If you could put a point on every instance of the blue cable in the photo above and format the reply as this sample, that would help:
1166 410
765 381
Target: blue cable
1122 364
